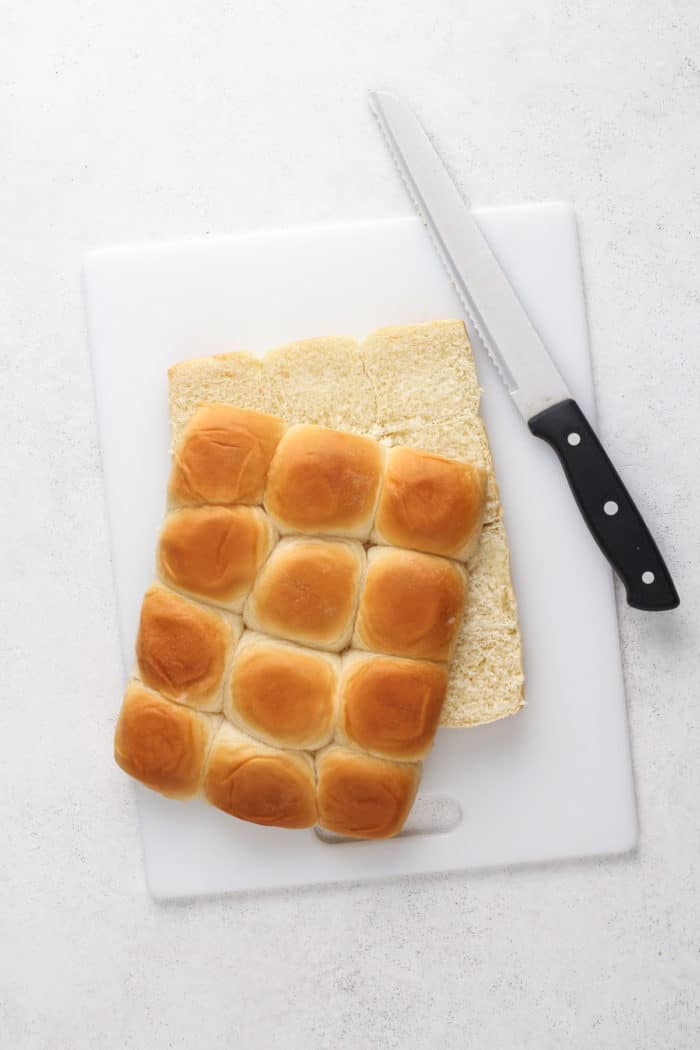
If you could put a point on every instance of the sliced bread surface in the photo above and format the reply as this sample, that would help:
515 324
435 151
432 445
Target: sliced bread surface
413 385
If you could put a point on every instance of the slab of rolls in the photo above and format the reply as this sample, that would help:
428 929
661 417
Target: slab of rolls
292 657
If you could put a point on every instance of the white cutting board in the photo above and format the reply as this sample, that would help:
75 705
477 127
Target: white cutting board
553 782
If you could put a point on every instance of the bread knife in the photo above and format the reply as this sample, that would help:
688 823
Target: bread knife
531 376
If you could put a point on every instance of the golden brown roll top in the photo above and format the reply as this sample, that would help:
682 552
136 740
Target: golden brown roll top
214 553
411 604
390 706
161 744
258 783
324 481
224 456
431 504
361 796
284 691
182 648
283 694
307 592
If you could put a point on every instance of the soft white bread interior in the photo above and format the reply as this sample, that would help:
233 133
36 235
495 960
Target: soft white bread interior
413 385
361 796
183 649
162 744
307 592
324 482
421 373
321 381
282 693
390 706
261 784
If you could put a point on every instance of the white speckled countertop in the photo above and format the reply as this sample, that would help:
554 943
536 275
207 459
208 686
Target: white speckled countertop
148 120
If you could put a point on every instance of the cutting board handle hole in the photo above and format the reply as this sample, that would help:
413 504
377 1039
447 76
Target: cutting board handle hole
431 814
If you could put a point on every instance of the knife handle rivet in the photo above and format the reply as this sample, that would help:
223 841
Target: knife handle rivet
648 577
574 438
610 508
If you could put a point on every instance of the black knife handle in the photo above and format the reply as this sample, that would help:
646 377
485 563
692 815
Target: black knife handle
607 508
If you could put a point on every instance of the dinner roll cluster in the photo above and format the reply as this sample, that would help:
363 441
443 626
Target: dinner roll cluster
292 656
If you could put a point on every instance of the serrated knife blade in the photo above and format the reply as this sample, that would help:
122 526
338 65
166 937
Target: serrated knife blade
509 336
523 361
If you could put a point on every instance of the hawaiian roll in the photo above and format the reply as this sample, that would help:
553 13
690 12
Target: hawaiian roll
307 592
325 482
261 784
411 604
361 796
214 553
162 744
282 693
224 456
431 504
183 648
390 706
